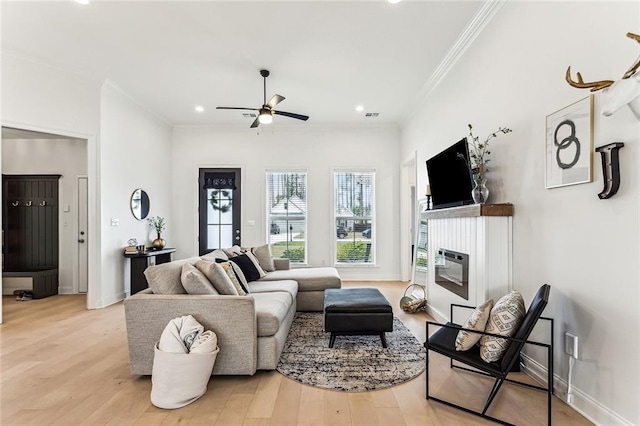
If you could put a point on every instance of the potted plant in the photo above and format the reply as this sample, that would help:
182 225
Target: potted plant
479 154
158 224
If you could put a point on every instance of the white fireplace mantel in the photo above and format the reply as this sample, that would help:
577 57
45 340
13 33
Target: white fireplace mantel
484 232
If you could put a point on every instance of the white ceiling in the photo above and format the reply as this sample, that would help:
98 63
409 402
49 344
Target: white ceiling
325 57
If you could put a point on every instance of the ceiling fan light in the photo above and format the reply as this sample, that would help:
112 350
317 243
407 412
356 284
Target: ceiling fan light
265 118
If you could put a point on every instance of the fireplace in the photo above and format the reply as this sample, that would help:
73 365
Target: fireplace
452 272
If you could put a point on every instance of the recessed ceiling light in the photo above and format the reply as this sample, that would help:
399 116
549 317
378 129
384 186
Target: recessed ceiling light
199 108
359 108
393 1
82 1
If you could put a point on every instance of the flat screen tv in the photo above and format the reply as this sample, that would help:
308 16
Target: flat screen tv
450 176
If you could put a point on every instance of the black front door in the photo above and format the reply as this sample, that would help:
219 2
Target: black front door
219 209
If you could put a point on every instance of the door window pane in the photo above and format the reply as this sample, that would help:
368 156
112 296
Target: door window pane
219 218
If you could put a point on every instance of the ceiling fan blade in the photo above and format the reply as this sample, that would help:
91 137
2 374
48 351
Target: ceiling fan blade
250 109
291 115
255 123
275 100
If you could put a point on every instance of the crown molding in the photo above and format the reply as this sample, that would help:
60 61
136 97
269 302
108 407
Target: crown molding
83 75
122 92
480 20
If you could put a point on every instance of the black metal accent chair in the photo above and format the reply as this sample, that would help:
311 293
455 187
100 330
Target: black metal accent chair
443 342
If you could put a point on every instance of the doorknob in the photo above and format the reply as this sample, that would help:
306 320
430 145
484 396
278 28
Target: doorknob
81 241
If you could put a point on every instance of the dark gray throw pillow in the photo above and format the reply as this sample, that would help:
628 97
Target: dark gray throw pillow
247 267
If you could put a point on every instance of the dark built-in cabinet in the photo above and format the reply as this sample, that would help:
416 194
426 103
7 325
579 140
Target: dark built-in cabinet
30 230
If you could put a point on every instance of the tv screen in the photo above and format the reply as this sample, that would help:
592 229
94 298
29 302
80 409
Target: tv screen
450 176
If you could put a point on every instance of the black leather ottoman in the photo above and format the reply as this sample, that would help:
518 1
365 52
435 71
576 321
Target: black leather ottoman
352 311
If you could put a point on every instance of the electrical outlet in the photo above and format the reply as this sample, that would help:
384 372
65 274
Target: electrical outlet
571 345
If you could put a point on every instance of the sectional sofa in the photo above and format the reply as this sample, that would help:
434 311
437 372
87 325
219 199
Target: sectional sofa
251 328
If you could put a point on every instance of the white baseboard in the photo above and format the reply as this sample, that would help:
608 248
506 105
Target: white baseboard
588 407
437 315
103 303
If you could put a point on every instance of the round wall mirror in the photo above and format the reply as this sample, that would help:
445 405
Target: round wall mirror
140 204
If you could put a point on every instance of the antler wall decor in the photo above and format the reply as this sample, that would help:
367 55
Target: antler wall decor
615 94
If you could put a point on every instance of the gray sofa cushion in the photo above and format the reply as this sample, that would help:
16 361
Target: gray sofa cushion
288 286
218 277
194 281
271 310
165 278
309 279
281 264
263 254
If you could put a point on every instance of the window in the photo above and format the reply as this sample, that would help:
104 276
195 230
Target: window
287 215
354 208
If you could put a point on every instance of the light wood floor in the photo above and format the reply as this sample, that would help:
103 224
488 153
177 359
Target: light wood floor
62 364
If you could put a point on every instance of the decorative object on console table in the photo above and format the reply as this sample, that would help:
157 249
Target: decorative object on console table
132 246
479 155
141 261
569 145
158 224
131 250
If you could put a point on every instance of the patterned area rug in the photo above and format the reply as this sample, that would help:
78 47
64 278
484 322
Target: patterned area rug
355 363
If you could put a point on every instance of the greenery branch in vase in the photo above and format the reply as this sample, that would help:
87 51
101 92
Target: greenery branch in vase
479 154
158 224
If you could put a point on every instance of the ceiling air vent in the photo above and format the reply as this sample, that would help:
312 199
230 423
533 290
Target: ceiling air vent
248 115
372 114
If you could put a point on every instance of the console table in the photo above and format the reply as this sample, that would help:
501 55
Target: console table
140 262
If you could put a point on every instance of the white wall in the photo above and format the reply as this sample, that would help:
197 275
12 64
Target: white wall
585 248
66 157
135 153
316 150
43 98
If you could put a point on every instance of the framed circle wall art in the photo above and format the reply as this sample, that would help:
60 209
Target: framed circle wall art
569 145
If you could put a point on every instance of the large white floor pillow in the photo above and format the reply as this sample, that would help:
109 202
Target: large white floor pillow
179 379
505 319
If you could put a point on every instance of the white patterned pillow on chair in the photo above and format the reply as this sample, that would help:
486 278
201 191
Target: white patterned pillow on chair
505 319
477 321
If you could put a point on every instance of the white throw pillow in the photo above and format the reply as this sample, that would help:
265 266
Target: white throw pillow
216 254
476 321
505 319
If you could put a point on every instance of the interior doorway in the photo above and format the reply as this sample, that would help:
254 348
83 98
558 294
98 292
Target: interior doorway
408 200
38 152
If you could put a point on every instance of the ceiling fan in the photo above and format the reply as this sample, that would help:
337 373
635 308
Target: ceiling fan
265 114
